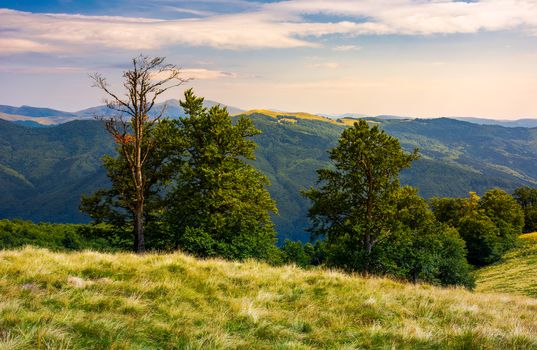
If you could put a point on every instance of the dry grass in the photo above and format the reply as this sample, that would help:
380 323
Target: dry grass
516 273
92 300
286 115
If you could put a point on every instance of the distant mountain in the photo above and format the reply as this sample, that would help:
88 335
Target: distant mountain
173 110
362 116
36 121
524 123
29 111
519 123
31 123
43 171
33 116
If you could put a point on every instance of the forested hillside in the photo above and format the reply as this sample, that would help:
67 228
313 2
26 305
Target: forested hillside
43 171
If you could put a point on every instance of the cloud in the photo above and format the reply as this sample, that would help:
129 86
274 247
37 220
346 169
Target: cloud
203 74
78 32
422 17
198 74
284 24
14 45
344 48
40 69
328 65
187 11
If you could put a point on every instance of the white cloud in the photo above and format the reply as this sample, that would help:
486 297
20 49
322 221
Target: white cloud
77 32
41 69
344 48
14 45
203 74
187 11
328 65
273 25
197 73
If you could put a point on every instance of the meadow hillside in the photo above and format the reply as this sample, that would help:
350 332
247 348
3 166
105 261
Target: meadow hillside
89 300
516 273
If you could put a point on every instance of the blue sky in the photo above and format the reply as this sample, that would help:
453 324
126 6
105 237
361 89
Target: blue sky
405 57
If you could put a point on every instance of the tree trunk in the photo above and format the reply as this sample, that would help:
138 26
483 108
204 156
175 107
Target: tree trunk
415 276
368 248
138 184
139 244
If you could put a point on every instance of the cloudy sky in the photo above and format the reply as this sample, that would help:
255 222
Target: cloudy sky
422 58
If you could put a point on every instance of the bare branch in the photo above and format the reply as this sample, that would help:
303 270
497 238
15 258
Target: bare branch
101 83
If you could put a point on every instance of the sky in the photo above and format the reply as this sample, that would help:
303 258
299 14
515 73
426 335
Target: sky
416 58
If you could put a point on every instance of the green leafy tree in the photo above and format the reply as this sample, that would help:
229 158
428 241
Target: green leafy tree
356 199
527 198
132 130
298 253
488 225
452 210
424 249
219 204
506 214
482 239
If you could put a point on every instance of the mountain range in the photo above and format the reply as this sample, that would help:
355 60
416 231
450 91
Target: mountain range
46 116
43 171
41 116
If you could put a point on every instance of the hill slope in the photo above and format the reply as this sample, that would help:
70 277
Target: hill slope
104 301
516 273
44 171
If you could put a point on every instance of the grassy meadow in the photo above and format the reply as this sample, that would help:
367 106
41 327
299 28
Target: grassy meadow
89 300
516 273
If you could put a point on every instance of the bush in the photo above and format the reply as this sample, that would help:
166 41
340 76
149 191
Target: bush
18 233
489 225
482 238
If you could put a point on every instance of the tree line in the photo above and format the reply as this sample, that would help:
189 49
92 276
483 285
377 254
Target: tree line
186 184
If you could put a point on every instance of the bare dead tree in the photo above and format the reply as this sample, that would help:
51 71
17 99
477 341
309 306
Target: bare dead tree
131 127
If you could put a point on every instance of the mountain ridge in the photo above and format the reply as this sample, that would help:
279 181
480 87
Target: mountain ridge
54 116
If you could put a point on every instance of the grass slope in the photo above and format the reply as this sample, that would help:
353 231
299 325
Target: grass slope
123 301
516 273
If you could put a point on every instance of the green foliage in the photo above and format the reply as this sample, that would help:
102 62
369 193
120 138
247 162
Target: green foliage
422 249
18 233
527 198
482 239
489 225
215 192
506 213
302 254
355 201
374 226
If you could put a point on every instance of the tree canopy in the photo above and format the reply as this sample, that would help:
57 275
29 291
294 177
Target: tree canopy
357 198
219 204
